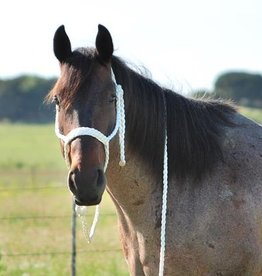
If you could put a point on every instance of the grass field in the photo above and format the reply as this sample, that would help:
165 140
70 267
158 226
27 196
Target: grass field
253 113
35 210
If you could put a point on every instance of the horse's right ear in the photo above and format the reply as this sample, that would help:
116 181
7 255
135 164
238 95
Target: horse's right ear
62 45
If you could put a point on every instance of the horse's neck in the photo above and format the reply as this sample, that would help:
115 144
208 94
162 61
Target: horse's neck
134 188
131 186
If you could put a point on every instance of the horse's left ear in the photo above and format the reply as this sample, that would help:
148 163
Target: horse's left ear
104 44
62 45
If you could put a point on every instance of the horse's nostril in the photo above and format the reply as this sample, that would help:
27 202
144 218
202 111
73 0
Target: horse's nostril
86 186
100 178
71 182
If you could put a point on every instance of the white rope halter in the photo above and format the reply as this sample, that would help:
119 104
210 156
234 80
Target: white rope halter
120 128
87 131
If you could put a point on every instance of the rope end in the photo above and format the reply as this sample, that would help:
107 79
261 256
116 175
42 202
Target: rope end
81 210
122 163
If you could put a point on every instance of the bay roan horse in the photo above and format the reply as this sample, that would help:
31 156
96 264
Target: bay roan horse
214 213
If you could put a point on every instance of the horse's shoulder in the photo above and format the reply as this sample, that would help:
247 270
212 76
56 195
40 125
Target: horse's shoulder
244 132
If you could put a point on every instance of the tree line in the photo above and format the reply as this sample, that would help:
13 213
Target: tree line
241 87
22 98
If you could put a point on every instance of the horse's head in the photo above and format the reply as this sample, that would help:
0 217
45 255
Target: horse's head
85 96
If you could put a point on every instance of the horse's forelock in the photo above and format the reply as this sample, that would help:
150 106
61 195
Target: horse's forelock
73 75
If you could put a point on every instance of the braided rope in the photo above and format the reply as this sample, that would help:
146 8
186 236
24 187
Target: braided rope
164 211
122 128
87 131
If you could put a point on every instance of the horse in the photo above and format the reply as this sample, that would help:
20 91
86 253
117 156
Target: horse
214 200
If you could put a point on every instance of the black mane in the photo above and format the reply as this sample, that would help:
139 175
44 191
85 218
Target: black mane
194 127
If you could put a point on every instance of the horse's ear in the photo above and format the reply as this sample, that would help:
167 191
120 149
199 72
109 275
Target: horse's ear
62 45
104 44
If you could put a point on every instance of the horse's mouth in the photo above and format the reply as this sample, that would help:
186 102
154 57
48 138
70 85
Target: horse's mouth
91 202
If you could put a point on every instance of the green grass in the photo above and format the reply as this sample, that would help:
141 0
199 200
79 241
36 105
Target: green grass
36 220
50 238
253 113
29 147
33 185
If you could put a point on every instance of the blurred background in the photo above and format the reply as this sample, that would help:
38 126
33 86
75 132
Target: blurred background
197 48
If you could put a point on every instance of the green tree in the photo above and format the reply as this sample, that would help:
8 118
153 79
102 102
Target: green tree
21 99
240 87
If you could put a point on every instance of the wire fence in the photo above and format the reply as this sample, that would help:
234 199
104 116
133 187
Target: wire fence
10 219
90 251
47 217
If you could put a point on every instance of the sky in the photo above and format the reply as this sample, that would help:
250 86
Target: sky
185 44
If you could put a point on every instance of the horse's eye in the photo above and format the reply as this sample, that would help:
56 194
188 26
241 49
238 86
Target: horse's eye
56 100
112 98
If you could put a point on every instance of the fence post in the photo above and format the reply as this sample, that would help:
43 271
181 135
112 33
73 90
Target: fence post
73 254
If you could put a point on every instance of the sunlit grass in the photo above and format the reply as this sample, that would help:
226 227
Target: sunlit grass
35 211
252 113
29 146
37 222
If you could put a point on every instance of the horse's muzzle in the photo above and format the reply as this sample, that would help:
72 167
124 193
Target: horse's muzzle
87 187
